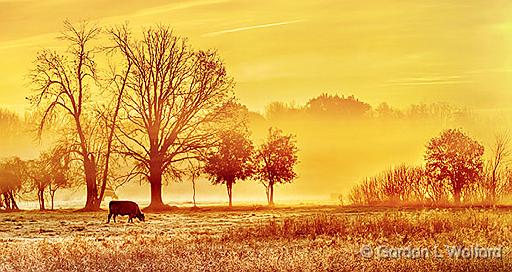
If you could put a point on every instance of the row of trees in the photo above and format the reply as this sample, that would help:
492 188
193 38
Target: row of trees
156 104
235 159
454 171
42 177
153 104
329 107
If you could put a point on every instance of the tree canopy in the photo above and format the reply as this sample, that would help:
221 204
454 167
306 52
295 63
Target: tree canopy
455 158
276 158
230 161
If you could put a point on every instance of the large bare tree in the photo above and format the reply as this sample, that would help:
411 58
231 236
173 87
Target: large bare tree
63 83
173 104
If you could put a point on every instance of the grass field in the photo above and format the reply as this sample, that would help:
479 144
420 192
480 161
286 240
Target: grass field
324 238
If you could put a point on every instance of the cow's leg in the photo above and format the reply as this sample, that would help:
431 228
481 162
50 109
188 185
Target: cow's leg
130 218
115 215
109 216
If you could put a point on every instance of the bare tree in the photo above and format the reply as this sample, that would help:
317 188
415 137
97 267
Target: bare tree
368 192
49 173
172 106
194 170
63 90
38 173
402 184
493 180
61 174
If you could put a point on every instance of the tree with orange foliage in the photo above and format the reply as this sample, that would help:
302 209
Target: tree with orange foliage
276 158
230 161
455 158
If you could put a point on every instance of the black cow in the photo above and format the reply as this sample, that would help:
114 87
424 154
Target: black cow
129 208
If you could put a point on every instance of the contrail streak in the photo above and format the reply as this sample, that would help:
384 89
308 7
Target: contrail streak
250 28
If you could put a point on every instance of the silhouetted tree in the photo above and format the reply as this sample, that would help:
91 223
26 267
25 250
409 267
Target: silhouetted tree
277 110
61 174
402 184
173 103
337 106
506 189
63 84
194 171
276 158
455 158
49 173
385 111
230 161
369 192
12 176
38 173
495 175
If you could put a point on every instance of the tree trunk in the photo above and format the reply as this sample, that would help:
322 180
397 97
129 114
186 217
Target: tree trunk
266 191
271 195
14 206
156 192
110 137
40 196
7 201
92 203
155 180
194 189
229 187
456 196
52 197
493 188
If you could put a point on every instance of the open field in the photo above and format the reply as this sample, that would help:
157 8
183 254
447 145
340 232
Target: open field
251 239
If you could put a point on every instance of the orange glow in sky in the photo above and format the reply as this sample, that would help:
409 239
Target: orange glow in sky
400 52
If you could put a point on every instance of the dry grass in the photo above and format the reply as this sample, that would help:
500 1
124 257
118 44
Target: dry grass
278 240
412 226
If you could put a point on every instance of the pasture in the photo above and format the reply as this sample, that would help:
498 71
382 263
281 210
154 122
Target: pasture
252 238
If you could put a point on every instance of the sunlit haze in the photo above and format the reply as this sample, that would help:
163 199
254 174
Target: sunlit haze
455 53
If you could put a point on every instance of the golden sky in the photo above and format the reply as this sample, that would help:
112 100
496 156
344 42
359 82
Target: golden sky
399 52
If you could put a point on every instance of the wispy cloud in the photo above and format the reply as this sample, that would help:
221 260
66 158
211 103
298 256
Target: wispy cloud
14 1
36 40
211 34
430 80
176 6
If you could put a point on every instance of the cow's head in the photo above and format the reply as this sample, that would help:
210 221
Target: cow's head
141 217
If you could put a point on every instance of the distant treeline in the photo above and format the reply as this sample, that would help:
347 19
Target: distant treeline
454 172
329 106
